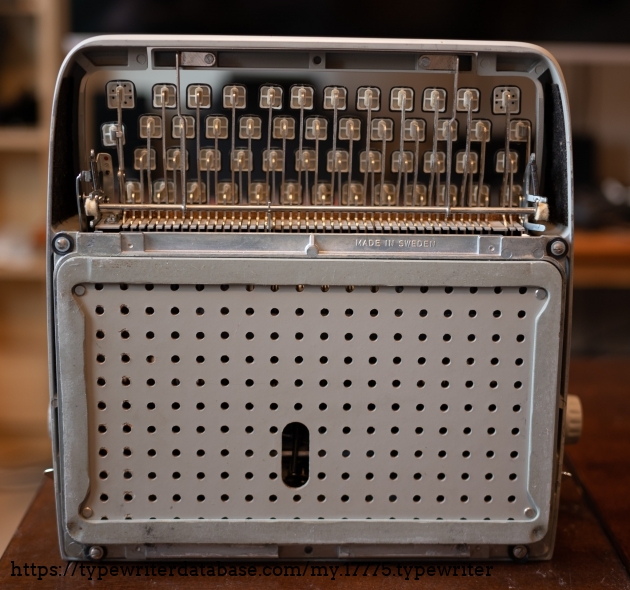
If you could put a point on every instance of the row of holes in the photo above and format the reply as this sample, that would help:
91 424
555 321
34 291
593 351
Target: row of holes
321 476
325 288
126 381
126 405
102 428
124 309
127 452
297 498
124 334
125 358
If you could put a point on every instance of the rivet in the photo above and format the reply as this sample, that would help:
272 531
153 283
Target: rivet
530 512
540 294
506 253
87 512
79 290
312 250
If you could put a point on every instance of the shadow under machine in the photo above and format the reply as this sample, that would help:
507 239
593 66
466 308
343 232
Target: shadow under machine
309 298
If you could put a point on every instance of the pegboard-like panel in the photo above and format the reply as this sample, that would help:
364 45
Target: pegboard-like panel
416 400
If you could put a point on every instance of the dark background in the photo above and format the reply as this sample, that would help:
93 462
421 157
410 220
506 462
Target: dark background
536 20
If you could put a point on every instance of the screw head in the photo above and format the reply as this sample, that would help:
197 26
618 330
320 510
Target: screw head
96 552
424 62
62 244
210 59
558 248
519 552
87 512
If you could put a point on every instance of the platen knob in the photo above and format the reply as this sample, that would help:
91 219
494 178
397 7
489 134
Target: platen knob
573 423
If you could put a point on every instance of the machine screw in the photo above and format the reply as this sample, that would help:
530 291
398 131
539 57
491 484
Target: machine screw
96 553
210 59
424 62
558 248
520 552
62 244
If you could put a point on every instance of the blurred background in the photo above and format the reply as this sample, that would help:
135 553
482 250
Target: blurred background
590 40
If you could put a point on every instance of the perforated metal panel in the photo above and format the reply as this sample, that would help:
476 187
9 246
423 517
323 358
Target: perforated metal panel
417 400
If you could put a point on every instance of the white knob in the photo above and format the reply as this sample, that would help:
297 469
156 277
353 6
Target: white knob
573 423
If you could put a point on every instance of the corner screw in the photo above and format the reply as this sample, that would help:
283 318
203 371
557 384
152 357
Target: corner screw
62 244
519 552
210 59
558 248
96 553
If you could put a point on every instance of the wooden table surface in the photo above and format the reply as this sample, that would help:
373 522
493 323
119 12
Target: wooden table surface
593 538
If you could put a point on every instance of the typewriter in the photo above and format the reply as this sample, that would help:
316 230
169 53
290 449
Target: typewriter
309 299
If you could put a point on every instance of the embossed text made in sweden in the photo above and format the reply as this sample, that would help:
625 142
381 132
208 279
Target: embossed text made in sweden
392 243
